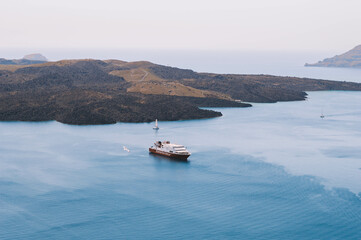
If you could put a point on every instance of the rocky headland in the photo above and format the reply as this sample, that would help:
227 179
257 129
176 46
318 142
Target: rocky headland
350 59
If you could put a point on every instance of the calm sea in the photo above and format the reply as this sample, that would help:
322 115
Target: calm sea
273 171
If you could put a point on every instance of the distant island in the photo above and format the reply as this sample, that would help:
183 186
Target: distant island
35 58
103 92
350 59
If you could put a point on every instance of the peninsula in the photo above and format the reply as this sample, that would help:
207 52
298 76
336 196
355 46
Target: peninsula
350 59
102 92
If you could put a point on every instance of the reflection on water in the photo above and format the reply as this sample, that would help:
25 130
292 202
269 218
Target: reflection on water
255 173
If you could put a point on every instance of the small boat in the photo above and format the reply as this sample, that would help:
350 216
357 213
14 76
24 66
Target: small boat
322 116
170 150
156 125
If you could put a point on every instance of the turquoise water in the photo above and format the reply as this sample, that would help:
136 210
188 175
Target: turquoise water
274 171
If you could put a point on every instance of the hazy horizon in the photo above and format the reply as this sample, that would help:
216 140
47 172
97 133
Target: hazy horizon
280 25
140 54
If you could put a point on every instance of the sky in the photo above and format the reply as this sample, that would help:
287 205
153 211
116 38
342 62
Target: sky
325 25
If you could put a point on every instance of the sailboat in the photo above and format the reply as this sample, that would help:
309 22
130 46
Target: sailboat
156 125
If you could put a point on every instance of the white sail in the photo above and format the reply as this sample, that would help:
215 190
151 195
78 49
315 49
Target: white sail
156 125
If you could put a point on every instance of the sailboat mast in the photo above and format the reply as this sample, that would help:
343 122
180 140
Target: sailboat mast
156 125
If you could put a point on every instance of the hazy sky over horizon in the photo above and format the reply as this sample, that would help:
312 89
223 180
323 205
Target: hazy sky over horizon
197 24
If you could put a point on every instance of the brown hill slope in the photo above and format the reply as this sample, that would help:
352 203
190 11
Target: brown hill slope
252 88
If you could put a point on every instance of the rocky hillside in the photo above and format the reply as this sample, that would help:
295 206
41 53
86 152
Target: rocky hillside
350 59
102 92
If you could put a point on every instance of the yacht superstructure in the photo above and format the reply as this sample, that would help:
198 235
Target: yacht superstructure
168 149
